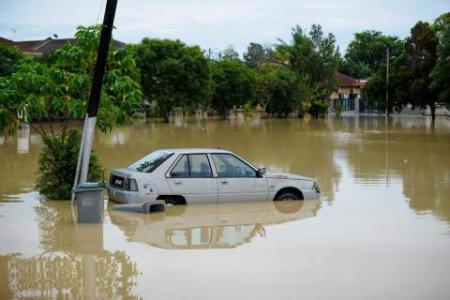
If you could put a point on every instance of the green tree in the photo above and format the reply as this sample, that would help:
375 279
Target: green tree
257 54
10 58
399 87
420 54
279 90
440 75
315 59
410 76
400 79
366 53
375 91
366 56
354 69
229 53
234 85
58 90
441 22
173 74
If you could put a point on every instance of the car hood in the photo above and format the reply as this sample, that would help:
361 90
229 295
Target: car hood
280 175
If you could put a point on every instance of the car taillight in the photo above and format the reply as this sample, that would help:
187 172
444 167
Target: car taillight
116 181
131 185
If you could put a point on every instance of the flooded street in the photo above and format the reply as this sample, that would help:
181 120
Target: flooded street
381 229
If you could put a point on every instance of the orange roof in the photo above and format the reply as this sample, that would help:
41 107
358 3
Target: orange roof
348 81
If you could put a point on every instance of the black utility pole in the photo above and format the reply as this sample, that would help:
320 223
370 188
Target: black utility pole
94 97
105 39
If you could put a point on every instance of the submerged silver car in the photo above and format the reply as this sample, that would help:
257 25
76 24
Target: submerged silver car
185 176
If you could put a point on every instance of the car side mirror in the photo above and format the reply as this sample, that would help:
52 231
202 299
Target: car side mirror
261 171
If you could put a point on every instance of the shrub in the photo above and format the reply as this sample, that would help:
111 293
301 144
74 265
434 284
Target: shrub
318 108
58 163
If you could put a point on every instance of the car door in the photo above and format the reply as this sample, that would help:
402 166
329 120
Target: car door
192 178
237 181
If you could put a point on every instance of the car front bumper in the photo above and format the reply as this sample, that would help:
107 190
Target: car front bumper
307 195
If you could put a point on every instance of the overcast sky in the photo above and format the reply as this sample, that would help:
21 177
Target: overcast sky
217 24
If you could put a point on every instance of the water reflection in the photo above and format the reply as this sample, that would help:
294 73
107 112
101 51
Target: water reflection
404 151
69 275
210 226
23 140
72 264
17 166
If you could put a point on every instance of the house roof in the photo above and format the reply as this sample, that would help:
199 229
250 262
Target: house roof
22 47
4 41
348 81
43 47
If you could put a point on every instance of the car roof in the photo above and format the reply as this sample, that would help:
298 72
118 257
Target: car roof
195 150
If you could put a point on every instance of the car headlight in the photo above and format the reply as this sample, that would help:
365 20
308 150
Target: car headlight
316 187
131 185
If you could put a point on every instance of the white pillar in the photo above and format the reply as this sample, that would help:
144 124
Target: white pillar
88 140
357 99
85 153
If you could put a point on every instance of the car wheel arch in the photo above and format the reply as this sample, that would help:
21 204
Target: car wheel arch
293 190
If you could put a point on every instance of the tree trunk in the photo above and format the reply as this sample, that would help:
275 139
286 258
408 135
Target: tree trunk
433 111
166 116
300 112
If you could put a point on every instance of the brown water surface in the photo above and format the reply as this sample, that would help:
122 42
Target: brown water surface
380 231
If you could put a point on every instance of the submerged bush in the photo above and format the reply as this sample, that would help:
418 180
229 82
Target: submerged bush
58 163
318 108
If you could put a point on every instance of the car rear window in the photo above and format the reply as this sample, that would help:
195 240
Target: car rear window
150 162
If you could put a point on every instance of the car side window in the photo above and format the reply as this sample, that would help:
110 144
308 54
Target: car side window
181 169
228 165
199 166
193 166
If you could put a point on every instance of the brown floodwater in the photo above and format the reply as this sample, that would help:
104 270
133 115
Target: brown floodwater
381 229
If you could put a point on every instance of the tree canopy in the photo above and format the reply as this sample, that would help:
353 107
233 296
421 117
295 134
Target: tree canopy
57 88
420 57
315 59
366 53
229 53
10 58
257 54
173 74
279 91
440 75
409 78
234 84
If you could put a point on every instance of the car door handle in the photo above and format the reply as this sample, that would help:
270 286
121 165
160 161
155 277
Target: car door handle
224 182
177 182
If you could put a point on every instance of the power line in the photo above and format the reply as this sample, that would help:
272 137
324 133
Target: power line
99 12
14 31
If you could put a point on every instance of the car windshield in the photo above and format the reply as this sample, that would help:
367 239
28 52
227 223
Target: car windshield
150 162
